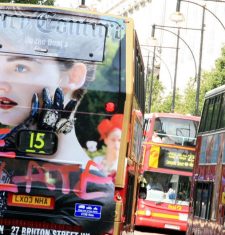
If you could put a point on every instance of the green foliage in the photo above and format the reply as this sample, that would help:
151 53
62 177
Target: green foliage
209 80
103 89
166 103
189 98
160 102
216 77
37 2
186 103
157 93
109 69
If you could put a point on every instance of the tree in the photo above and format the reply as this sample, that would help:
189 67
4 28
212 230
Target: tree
215 77
210 80
189 98
166 103
156 96
37 2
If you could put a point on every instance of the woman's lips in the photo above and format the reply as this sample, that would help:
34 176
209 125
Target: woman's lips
6 103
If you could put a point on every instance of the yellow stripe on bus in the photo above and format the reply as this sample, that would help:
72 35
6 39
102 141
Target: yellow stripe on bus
169 145
166 216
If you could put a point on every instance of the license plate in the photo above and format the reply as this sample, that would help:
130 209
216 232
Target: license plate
23 200
170 226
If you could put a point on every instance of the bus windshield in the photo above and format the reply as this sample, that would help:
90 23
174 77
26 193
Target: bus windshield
167 188
175 131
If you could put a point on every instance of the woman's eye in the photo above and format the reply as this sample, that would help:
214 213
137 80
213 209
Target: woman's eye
21 68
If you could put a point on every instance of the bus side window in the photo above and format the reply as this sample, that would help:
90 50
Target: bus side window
209 114
129 198
216 112
158 125
142 187
222 114
203 195
204 116
146 127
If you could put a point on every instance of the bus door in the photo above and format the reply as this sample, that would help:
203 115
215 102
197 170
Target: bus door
222 200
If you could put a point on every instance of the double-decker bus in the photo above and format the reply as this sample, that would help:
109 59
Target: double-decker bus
207 213
168 158
71 121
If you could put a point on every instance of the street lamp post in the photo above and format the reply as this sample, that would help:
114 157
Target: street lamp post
161 61
200 64
178 16
163 27
151 81
146 78
82 5
152 73
175 72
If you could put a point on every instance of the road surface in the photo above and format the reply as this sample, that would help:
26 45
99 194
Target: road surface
144 231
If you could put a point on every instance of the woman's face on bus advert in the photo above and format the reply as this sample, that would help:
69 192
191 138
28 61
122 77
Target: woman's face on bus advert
112 141
20 78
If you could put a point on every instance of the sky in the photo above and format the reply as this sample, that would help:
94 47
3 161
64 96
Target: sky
64 3
158 12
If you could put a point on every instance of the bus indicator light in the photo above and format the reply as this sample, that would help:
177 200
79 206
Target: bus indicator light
223 198
110 107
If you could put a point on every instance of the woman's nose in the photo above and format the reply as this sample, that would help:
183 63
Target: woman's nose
4 87
117 144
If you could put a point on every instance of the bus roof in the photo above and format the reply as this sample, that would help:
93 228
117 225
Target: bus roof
172 115
215 91
78 9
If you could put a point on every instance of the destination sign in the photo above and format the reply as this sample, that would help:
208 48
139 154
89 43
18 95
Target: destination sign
178 159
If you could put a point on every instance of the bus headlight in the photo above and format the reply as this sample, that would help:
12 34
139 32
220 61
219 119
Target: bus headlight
148 212
183 217
144 212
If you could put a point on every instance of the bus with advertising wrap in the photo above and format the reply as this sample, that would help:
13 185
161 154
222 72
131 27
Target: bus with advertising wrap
168 158
71 121
207 208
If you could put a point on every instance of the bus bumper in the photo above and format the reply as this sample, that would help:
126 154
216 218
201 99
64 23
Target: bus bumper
164 224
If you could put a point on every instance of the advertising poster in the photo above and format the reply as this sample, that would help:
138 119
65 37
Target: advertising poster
59 146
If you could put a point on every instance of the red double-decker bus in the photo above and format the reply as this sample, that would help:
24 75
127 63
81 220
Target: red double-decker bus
207 207
71 121
168 158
